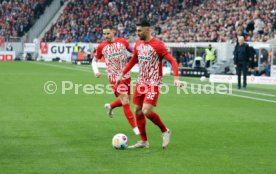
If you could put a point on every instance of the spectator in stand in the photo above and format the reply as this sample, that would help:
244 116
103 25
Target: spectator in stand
82 17
17 17
9 47
174 20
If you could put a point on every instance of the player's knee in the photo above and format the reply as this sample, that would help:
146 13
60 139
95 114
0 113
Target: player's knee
145 111
124 99
138 110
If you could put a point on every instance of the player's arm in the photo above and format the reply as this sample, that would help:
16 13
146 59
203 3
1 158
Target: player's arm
130 49
128 66
94 64
95 68
174 64
128 46
163 52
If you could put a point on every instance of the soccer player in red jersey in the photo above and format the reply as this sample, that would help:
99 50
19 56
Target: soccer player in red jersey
114 50
149 52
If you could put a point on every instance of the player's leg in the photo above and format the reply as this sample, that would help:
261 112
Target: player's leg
150 102
110 106
123 92
116 103
141 122
147 110
154 117
138 99
128 113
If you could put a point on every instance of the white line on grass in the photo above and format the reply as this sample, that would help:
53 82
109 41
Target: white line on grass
252 92
57 66
234 95
244 91
253 98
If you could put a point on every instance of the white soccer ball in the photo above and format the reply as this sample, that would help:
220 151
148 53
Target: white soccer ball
119 141
203 78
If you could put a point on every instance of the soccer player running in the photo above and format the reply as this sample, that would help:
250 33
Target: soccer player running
149 52
114 50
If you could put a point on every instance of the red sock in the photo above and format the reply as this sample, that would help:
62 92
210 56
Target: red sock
116 103
157 121
129 115
141 123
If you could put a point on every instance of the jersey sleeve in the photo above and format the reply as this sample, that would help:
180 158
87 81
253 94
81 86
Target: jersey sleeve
127 45
163 52
98 54
132 61
173 62
125 42
161 49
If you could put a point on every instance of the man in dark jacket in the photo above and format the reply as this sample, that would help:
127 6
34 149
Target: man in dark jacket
253 62
241 57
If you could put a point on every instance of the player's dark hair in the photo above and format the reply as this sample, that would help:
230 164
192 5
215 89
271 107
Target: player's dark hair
143 23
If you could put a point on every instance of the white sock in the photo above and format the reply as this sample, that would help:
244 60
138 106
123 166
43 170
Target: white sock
136 131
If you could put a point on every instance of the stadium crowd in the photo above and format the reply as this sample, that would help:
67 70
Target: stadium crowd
175 20
82 19
221 21
18 16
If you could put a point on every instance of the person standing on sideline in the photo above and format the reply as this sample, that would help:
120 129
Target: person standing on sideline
74 56
241 58
210 55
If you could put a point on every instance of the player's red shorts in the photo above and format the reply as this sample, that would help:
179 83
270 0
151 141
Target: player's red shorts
122 88
145 94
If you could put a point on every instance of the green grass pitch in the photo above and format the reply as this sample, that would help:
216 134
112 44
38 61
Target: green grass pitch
71 133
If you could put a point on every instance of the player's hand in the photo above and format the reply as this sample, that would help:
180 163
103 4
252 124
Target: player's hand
235 65
98 75
119 79
177 82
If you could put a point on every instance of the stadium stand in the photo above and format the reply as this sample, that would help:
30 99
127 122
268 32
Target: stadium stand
175 20
82 19
18 16
221 21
